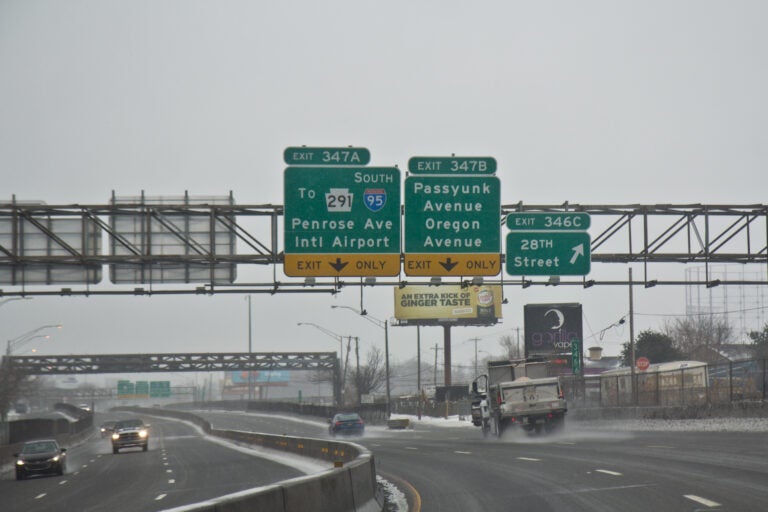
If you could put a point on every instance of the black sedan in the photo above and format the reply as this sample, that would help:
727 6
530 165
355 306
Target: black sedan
107 428
40 457
347 423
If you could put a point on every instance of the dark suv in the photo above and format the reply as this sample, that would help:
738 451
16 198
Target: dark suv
130 433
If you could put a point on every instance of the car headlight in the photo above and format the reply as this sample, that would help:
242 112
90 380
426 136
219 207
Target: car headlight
142 433
115 436
55 459
19 462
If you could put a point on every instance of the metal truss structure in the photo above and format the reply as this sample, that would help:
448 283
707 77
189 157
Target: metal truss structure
625 234
153 363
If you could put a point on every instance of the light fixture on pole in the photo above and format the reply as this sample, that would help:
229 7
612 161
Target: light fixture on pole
340 338
381 324
18 341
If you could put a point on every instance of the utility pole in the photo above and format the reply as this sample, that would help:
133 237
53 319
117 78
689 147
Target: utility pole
632 340
250 348
436 348
418 371
475 340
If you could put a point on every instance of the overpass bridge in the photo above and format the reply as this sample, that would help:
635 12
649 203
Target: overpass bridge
155 363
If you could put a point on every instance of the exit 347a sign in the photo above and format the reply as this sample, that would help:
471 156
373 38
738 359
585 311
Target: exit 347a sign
342 221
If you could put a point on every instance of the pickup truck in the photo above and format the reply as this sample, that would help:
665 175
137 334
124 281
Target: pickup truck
130 433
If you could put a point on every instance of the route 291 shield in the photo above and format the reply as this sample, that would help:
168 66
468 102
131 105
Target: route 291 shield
375 198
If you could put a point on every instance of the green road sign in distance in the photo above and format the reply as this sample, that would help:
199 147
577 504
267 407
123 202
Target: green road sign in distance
575 356
326 156
544 221
342 210
452 165
548 253
448 214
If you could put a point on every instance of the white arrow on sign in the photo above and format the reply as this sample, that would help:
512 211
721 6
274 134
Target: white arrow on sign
577 251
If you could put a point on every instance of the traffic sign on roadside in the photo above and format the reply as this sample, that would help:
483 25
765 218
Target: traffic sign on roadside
548 253
342 221
643 363
452 226
326 156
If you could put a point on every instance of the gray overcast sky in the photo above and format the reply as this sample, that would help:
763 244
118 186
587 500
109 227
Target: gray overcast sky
591 102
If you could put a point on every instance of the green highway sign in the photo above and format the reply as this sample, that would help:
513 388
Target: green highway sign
342 221
452 215
326 156
548 253
125 389
142 388
453 165
575 356
159 389
545 221
448 218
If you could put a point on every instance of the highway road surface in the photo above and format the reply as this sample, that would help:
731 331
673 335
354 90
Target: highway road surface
438 468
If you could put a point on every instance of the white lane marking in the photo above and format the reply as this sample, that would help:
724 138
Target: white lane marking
92 461
411 448
661 446
62 482
529 459
166 463
40 496
161 496
462 453
169 471
607 472
567 443
702 501
85 466
171 481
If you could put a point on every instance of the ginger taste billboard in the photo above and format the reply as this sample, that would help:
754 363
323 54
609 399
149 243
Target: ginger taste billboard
438 305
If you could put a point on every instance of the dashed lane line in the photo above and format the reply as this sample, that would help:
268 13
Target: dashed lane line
160 496
608 472
462 453
529 459
702 501
40 496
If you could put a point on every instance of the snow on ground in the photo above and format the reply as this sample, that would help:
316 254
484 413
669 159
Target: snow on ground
639 425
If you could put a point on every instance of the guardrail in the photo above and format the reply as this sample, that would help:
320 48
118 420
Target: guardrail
349 486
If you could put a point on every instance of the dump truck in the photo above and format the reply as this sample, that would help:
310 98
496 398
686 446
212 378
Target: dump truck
517 393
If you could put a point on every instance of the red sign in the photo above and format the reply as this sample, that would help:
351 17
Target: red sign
643 363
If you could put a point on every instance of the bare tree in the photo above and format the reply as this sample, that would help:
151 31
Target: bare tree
372 375
511 346
11 380
691 333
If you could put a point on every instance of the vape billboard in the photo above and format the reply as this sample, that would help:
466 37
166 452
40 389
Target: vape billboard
549 328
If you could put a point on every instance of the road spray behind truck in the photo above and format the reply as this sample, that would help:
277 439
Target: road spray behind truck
517 393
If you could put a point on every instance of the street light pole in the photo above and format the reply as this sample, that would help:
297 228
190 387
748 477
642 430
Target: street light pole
250 348
382 324
16 342
340 338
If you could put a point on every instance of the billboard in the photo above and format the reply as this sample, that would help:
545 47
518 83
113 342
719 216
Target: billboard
259 377
456 304
550 328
